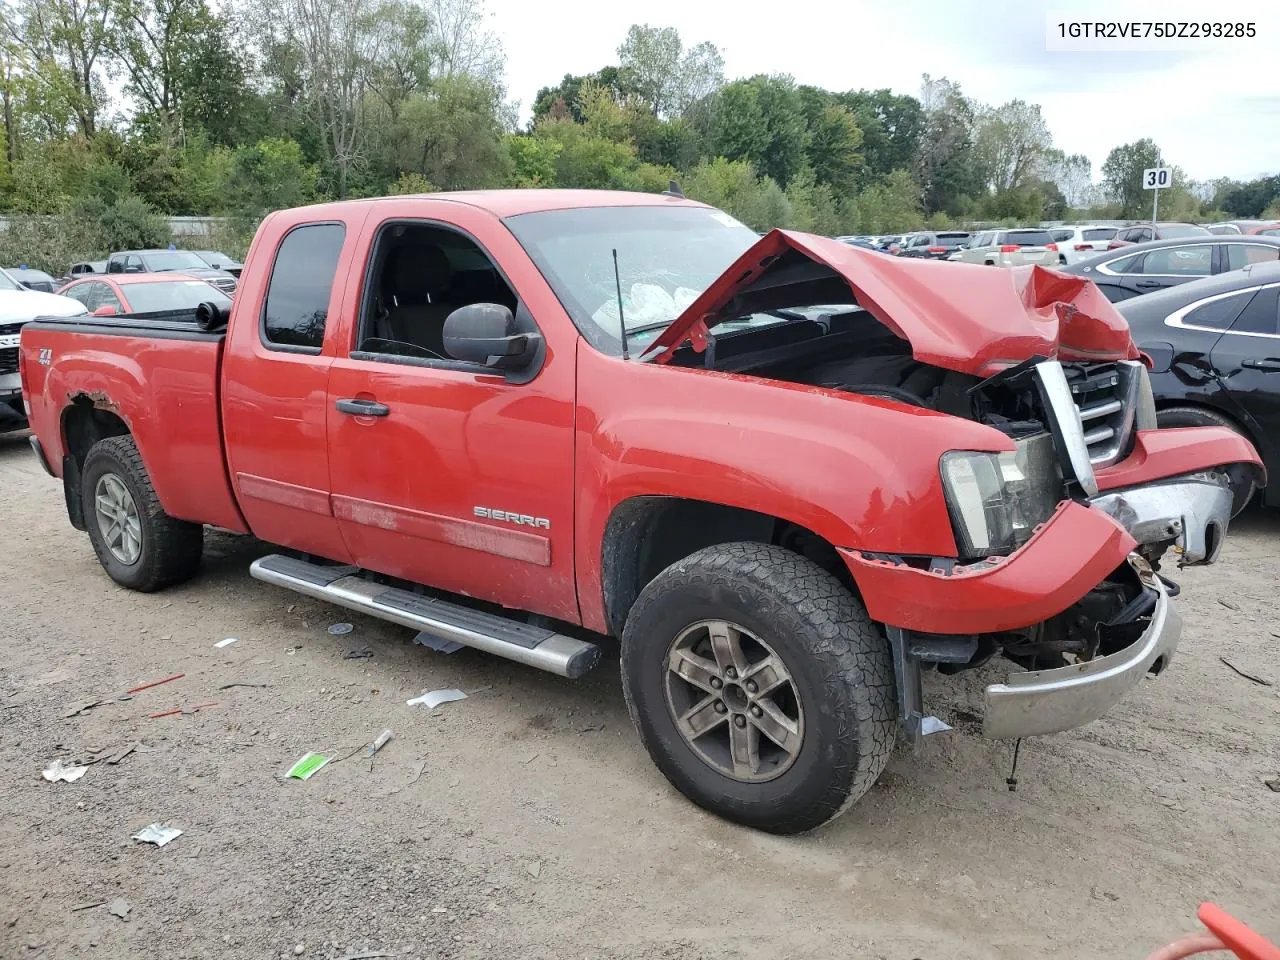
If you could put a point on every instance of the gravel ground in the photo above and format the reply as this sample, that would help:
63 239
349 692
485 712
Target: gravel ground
527 820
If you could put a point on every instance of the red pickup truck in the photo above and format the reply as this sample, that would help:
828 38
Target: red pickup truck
790 475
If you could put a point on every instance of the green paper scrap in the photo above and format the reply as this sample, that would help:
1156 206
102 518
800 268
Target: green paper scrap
305 767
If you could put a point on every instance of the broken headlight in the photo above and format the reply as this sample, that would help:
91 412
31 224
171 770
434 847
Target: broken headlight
997 500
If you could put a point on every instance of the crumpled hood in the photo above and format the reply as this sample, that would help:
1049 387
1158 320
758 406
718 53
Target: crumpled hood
973 319
28 304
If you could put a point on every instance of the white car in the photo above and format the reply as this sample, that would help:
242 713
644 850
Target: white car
1082 240
18 306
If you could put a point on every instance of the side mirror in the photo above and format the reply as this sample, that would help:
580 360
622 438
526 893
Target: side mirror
486 333
106 310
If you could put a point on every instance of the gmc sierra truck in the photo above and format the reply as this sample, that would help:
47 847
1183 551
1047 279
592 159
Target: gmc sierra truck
788 474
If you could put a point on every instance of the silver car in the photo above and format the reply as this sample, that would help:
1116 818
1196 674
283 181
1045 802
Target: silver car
1009 248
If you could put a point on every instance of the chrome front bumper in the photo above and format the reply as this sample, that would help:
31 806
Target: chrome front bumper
1192 510
1050 701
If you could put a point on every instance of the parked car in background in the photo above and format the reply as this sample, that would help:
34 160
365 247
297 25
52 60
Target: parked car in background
220 261
84 268
1133 270
162 261
1233 226
18 306
889 242
861 242
1264 230
1143 232
932 246
1215 350
144 293
1078 241
1009 248
33 279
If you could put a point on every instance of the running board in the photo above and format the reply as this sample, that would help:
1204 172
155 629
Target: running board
530 645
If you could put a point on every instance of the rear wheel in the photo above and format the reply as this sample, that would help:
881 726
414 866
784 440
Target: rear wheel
760 687
1243 487
139 545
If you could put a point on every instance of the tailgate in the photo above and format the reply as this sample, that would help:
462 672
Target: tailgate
86 377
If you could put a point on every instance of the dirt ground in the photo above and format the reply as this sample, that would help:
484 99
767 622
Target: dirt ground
527 820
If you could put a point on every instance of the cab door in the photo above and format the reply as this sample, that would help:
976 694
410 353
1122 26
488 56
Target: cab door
275 375
450 474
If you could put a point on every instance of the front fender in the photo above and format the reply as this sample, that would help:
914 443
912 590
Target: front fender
860 472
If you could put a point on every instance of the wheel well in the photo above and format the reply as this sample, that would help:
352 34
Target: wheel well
645 535
84 424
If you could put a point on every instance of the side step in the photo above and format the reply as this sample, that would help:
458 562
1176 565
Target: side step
532 646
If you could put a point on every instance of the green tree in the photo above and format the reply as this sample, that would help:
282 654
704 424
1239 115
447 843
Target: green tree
891 126
945 168
734 187
664 75
451 134
533 159
269 175
1011 145
833 149
814 208
62 44
1122 176
892 204
761 121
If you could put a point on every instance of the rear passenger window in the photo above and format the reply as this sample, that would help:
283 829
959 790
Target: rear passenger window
1218 314
297 302
1240 255
1132 264
1262 315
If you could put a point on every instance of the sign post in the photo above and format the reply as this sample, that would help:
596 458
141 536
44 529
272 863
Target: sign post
1154 179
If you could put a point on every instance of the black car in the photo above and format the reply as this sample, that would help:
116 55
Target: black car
1215 347
220 261
160 261
1144 232
932 246
1142 268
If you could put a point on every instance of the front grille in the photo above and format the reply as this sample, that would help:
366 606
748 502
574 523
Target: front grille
9 355
1106 396
226 284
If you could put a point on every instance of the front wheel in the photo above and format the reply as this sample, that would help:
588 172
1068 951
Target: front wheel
1242 488
139 545
760 687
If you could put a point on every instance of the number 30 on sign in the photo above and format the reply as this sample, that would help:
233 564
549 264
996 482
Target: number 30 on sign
1156 178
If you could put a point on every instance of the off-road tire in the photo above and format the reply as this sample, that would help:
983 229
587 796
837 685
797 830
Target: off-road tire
1243 488
170 548
838 658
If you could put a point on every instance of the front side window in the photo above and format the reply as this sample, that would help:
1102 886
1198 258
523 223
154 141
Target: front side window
1194 261
297 302
667 255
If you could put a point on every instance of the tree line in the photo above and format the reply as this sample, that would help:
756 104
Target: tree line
118 111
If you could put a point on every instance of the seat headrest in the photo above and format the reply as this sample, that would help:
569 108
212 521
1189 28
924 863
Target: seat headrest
418 270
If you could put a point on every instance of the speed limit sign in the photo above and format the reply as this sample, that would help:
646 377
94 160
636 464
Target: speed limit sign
1156 178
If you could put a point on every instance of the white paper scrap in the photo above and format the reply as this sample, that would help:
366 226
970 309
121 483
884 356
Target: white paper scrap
433 698
157 833
227 642
59 771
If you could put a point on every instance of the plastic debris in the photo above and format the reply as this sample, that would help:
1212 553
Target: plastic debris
1248 676
437 644
80 708
88 906
307 765
227 642
340 629
119 907
535 868
433 698
378 744
157 833
60 771
148 686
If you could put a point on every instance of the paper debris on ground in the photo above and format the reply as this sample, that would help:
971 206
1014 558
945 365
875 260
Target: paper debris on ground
119 907
437 644
535 868
157 833
227 642
340 629
433 698
307 765
60 771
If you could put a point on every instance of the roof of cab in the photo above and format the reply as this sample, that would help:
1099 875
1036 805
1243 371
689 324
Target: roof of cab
510 203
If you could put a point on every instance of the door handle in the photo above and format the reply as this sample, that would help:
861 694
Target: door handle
1148 283
363 408
1268 364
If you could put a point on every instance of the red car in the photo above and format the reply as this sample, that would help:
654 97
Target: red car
143 293
789 475
1265 230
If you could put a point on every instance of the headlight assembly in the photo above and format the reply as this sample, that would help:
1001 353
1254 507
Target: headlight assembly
997 500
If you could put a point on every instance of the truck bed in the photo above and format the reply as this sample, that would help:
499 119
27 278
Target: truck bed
160 363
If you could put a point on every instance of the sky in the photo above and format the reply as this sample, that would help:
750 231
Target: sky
1213 112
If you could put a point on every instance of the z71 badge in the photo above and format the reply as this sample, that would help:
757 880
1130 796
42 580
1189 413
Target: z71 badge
507 516
45 356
